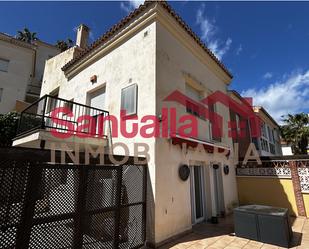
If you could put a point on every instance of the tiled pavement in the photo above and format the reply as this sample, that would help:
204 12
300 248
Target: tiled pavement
221 236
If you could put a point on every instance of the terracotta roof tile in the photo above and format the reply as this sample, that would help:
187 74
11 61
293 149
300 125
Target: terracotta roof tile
126 20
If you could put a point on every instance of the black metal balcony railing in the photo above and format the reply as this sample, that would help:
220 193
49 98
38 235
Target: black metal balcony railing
39 116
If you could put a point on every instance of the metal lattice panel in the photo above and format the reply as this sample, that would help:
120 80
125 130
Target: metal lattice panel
101 188
58 234
132 181
303 174
280 168
8 237
131 232
99 230
262 171
57 192
13 178
71 206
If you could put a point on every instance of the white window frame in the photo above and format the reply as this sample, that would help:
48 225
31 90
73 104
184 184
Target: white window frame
196 95
7 65
237 119
122 107
202 192
210 124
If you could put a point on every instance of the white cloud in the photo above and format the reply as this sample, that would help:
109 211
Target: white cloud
268 75
239 49
289 95
128 6
208 32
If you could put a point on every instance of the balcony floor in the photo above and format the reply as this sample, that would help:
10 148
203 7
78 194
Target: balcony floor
33 139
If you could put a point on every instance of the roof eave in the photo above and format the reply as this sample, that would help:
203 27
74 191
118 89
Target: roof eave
118 28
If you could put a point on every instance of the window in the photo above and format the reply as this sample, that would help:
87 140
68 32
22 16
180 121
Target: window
129 99
213 109
273 135
269 133
4 65
1 93
272 148
193 94
264 130
69 104
96 98
237 118
276 135
53 101
264 144
192 108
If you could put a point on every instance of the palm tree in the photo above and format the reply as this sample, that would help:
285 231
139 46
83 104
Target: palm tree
295 131
26 36
64 45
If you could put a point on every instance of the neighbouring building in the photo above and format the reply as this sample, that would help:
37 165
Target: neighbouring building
21 71
134 66
286 148
268 142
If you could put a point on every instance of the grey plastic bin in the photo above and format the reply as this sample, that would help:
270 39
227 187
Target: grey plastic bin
263 223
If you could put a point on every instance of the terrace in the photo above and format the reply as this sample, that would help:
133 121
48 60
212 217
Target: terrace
221 235
52 120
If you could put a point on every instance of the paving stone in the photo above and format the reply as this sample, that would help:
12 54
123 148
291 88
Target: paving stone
219 236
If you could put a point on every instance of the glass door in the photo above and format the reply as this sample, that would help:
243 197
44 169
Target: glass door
96 99
197 194
218 189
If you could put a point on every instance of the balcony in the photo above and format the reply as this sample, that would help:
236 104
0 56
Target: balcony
49 115
34 89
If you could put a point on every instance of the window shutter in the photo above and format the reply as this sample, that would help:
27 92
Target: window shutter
129 99
4 65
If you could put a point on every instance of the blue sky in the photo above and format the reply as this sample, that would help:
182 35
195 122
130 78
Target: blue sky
264 44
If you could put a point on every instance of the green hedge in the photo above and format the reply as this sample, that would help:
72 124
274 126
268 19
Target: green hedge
8 127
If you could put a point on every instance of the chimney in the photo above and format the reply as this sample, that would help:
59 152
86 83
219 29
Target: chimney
82 36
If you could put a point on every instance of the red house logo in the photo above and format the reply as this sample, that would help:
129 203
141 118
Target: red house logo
204 109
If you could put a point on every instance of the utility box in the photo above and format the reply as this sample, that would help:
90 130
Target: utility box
263 223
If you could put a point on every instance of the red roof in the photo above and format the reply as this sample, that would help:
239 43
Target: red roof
126 20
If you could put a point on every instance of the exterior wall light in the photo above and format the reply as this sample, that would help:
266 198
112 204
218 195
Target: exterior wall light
93 79
226 169
184 172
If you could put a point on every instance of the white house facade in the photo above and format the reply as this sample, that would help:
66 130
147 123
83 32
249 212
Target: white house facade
269 143
135 66
21 71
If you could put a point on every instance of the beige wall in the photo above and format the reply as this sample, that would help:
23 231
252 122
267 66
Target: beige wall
44 52
270 191
272 125
132 62
53 75
173 201
14 82
154 60
26 67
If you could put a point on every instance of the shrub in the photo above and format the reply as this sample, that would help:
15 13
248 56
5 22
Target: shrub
8 127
